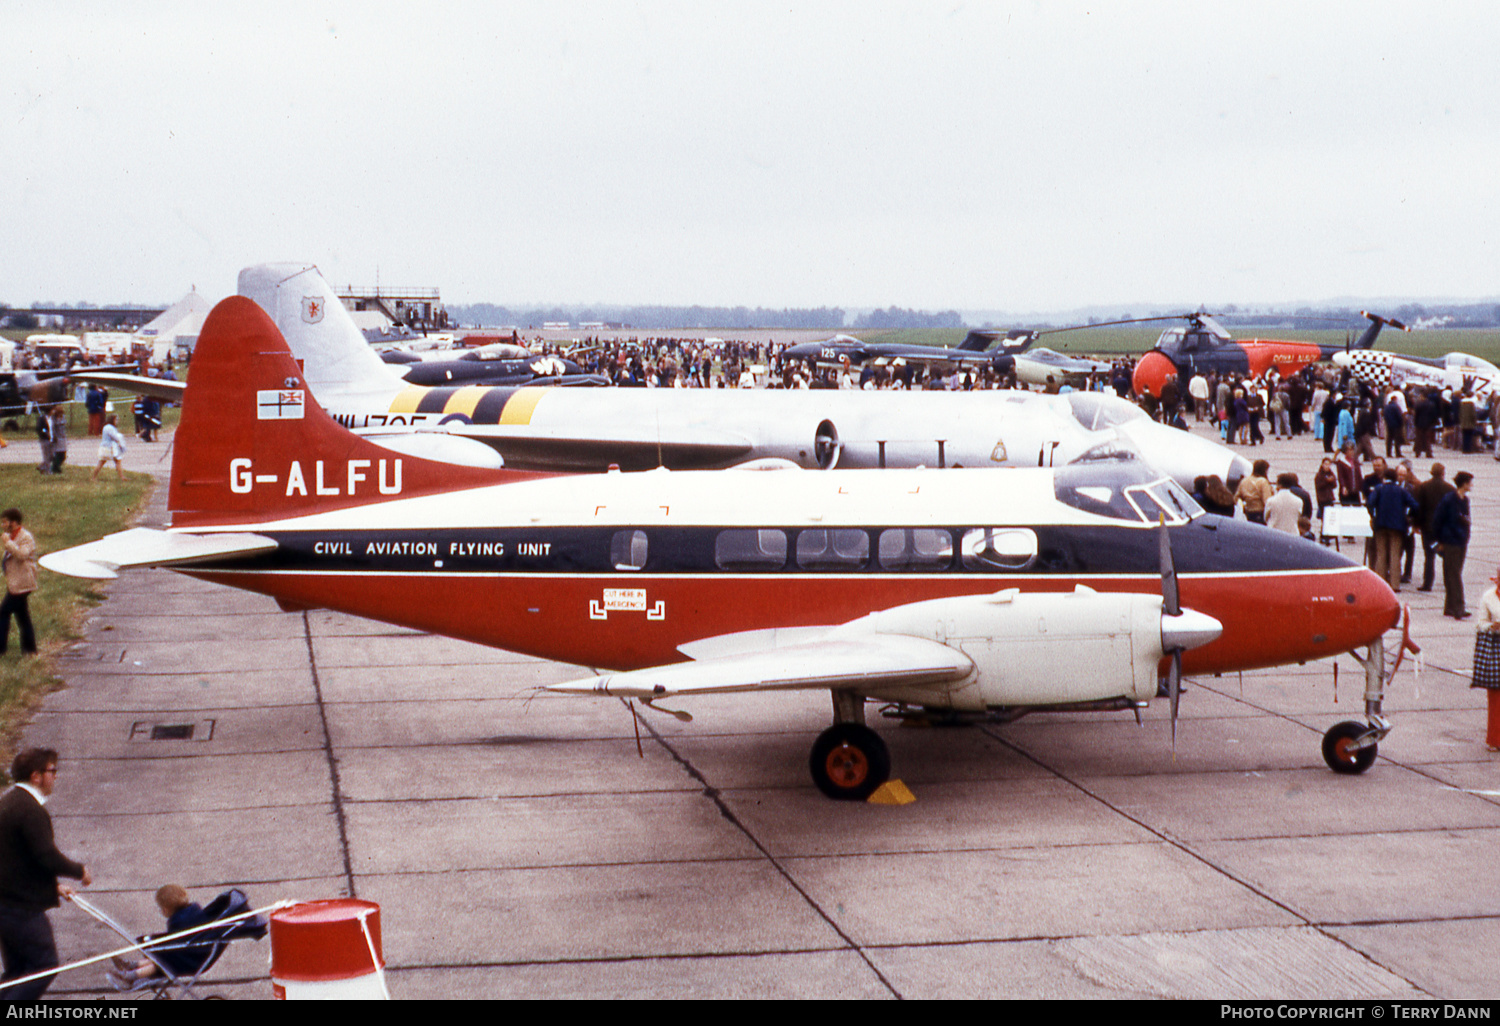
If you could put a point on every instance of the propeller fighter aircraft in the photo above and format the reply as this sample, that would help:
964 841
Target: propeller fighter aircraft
962 593
1457 371
1203 345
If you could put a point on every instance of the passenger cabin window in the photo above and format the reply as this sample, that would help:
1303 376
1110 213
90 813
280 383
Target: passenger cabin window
909 549
627 550
750 549
998 548
836 549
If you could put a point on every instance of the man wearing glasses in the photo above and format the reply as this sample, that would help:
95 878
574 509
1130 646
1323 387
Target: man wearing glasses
29 867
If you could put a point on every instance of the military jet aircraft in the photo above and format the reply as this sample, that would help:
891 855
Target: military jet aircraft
1043 366
974 352
488 365
966 593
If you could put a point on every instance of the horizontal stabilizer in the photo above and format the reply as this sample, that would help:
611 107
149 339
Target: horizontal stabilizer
160 388
866 662
628 445
144 547
978 340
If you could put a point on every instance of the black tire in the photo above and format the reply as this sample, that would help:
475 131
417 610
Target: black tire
1339 753
849 762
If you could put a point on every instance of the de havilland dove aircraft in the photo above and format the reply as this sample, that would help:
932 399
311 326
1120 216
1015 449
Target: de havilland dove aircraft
640 428
1457 371
956 593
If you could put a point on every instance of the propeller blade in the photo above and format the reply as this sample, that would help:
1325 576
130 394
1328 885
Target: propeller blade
1174 691
1169 603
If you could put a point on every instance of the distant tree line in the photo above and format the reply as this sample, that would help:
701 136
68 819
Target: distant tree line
894 317
653 317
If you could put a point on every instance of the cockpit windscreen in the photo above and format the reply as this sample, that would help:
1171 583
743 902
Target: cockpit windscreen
1097 411
1127 490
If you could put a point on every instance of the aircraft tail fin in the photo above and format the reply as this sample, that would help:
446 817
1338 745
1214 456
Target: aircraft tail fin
1016 340
335 358
252 444
1377 322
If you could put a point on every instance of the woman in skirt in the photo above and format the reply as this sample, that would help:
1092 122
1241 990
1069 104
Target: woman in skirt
1487 659
111 447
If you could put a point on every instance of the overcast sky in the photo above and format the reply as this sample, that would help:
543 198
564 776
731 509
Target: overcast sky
997 156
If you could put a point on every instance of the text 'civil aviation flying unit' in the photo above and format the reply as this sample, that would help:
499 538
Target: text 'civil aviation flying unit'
957 593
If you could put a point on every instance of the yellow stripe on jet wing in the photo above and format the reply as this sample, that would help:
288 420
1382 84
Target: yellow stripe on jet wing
519 407
406 401
464 400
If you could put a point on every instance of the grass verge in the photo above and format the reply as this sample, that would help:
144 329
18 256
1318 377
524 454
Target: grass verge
63 510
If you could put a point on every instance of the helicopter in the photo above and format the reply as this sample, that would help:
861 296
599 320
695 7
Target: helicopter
1202 345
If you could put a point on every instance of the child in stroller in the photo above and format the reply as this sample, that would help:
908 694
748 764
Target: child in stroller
181 962
181 914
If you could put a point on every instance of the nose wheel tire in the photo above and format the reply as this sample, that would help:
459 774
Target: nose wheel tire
1339 751
849 762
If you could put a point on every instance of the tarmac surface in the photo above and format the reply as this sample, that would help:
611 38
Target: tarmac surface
530 846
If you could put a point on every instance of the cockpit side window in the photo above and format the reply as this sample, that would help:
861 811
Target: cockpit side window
1163 499
1124 490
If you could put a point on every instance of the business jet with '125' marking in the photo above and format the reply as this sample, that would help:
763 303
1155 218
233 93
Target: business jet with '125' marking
961 593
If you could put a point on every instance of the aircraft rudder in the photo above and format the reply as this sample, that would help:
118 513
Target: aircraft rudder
253 443
323 338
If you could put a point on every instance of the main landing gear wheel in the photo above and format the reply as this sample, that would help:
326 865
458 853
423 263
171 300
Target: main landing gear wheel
1339 751
849 762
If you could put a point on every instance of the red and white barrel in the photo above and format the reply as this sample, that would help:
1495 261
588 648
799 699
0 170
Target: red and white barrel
328 950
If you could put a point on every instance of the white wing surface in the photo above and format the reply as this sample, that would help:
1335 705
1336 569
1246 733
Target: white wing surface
99 560
866 662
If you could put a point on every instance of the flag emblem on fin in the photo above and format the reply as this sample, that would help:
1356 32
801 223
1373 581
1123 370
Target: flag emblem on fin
279 404
312 309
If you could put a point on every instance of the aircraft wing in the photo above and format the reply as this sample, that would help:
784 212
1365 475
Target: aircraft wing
627 445
167 391
143 546
866 662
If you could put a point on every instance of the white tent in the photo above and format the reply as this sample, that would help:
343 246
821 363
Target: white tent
178 325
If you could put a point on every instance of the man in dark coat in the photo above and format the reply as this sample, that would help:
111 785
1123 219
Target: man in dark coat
1390 505
1451 526
29 867
1429 494
1425 419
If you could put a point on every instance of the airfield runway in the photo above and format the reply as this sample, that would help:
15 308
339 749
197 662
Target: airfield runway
524 848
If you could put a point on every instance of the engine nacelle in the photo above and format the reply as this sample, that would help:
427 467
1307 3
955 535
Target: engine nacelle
1054 648
826 446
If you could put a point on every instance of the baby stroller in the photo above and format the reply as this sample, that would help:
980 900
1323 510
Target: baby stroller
182 962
